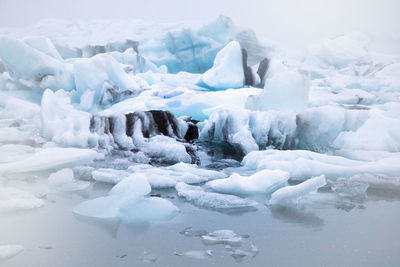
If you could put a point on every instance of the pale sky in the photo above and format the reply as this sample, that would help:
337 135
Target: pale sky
288 21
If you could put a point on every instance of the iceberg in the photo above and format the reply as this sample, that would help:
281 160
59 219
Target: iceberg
227 71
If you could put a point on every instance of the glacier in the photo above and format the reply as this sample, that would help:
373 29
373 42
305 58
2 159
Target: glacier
135 122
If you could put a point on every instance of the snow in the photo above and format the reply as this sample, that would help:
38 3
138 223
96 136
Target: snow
127 202
210 200
262 182
9 251
227 71
13 199
291 195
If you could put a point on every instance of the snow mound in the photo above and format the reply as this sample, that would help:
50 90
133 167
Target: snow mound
290 195
265 181
227 71
127 202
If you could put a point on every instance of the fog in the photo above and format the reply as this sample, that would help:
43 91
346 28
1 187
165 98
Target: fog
287 21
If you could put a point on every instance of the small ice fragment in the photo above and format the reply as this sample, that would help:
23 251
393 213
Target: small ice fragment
190 232
349 187
226 237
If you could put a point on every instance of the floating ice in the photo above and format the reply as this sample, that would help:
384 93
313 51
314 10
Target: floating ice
227 71
50 158
12 199
201 198
64 180
265 181
224 237
9 251
349 187
127 202
291 195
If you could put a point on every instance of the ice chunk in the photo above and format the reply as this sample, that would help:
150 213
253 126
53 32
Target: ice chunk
224 237
227 71
349 187
285 91
9 251
127 202
265 181
44 45
64 180
290 195
50 158
210 200
90 74
12 199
